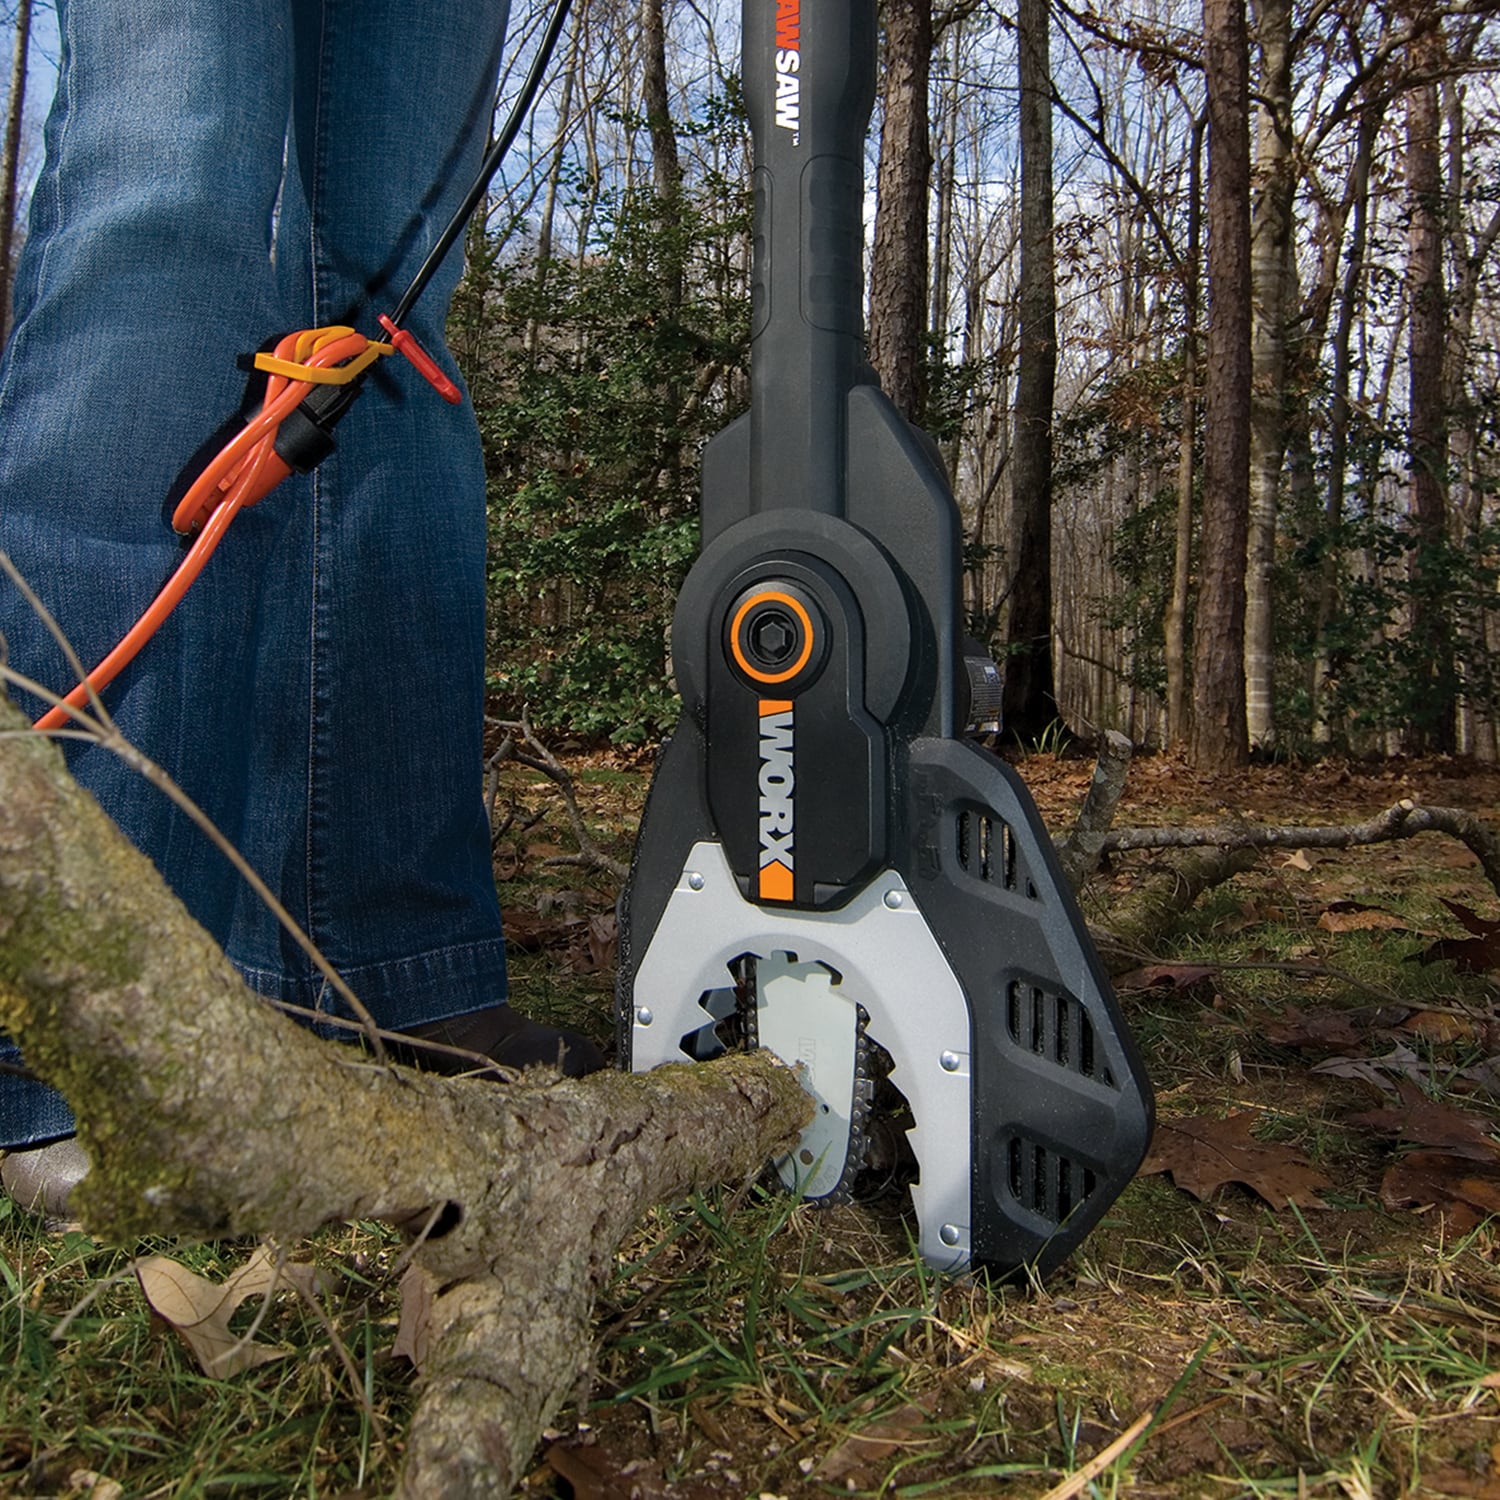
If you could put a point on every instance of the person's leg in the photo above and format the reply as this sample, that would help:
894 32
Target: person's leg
372 698
377 706
320 689
148 267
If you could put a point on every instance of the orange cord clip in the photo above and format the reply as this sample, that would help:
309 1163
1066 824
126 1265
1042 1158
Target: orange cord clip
245 470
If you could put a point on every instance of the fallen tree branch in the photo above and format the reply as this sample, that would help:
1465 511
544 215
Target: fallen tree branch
207 1113
1168 891
1081 851
1404 820
538 757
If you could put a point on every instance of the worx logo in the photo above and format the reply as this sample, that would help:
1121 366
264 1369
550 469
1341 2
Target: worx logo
788 65
777 803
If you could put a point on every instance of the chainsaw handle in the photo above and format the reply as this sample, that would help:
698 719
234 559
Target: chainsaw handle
809 73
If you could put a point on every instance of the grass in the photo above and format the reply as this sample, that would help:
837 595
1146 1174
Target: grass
751 1346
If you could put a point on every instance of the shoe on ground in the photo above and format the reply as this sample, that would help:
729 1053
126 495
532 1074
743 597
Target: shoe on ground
41 1179
506 1037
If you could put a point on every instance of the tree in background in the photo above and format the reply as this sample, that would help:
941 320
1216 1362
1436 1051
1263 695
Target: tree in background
1273 293
1219 740
10 157
1432 723
1030 700
898 260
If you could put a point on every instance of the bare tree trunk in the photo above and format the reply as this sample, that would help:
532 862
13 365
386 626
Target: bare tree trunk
1468 254
10 160
1330 573
666 165
547 220
946 166
207 1112
898 260
1219 740
1030 696
1272 301
1175 624
1426 414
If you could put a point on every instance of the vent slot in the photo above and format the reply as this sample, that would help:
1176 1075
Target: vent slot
1047 1183
1056 1027
987 850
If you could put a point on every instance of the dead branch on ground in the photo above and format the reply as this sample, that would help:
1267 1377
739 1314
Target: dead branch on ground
1218 853
1404 820
537 757
207 1113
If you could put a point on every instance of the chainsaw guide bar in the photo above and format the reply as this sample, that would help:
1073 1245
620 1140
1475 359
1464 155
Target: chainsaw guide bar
826 862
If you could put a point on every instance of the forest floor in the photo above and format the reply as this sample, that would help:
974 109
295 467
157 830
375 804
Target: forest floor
1299 1296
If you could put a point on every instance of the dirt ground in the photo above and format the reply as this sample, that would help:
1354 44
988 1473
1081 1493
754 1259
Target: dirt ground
1343 1340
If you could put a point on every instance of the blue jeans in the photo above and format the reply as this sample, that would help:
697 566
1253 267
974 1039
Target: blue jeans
218 173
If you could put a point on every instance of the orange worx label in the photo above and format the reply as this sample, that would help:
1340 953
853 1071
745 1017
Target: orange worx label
777 803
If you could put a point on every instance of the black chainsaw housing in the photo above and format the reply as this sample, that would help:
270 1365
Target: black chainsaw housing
819 650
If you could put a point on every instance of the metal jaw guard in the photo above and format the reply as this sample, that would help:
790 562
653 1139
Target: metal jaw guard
816 805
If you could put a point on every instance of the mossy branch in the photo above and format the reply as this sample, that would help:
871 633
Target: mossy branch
207 1112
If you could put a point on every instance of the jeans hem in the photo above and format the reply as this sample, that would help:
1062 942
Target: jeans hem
400 993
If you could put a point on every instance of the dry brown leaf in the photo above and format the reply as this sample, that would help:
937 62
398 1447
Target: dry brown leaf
1473 955
862 1457
199 1310
1297 861
1354 916
1329 1030
1440 1026
414 1328
85 1484
1384 1072
1427 1122
1166 977
596 1474
1203 1153
1461 1188
1400 1063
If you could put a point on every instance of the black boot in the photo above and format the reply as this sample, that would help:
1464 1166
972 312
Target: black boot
507 1038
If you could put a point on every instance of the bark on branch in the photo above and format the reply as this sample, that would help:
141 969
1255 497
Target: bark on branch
1080 852
1404 820
206 1112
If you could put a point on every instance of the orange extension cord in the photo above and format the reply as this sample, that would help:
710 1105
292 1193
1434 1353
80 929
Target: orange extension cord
247 468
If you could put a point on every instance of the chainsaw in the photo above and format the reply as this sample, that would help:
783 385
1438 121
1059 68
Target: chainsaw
828 866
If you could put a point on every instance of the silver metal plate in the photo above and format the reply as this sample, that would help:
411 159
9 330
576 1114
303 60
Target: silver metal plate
811 1025
888 962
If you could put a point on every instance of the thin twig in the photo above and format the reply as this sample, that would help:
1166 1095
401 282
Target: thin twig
1079 1479
541 759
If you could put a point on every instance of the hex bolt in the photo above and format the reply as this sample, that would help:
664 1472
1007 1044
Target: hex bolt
773 637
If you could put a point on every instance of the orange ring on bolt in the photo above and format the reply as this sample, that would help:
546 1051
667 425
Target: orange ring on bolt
772 596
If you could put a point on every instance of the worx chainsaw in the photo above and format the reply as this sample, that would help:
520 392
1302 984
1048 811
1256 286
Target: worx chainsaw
825 862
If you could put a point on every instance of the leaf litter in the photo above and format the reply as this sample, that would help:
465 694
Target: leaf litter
1026 1384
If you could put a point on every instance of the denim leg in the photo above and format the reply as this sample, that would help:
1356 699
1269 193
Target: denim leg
342 614
384 726
147 266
